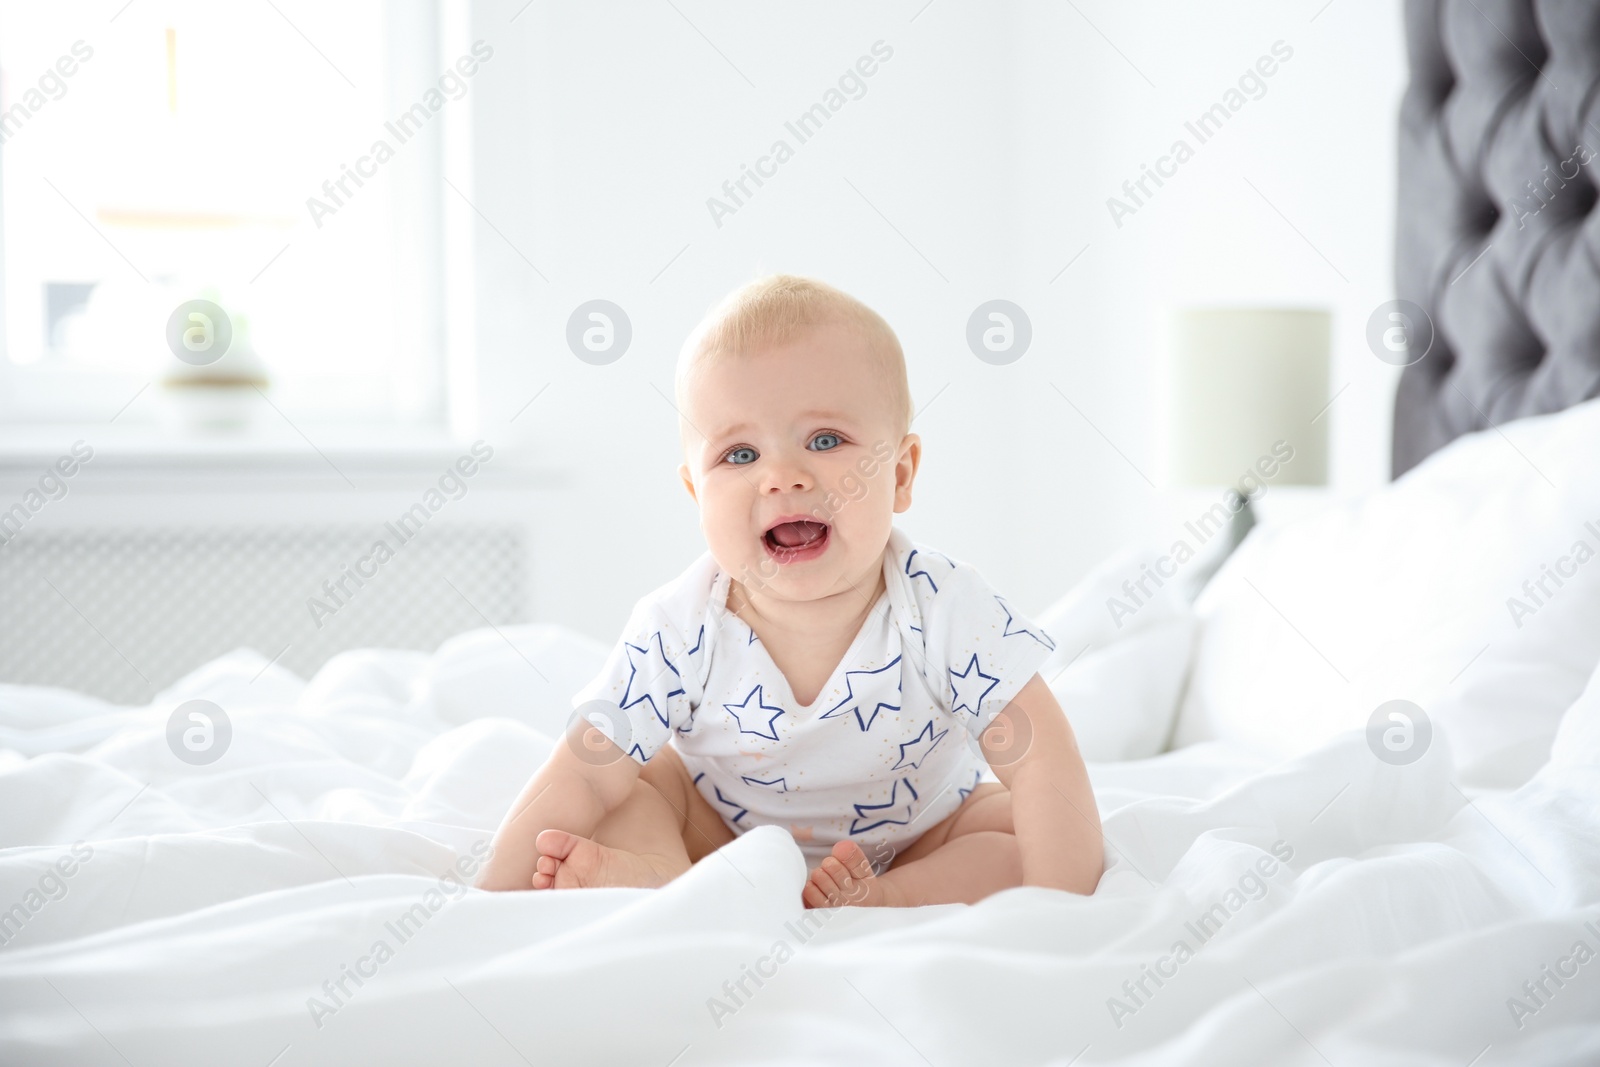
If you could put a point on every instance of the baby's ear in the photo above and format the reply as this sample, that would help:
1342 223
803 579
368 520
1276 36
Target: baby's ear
905 471
688 482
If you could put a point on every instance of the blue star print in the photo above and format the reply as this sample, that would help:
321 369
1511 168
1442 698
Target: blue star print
1038 635
926 655
852 703
964 687
920 746
688 724
724 800
755 714
894 801
911 561
643 670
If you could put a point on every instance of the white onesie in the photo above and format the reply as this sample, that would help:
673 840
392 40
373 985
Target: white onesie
888 748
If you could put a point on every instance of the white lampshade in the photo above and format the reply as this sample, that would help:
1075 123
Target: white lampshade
1246 385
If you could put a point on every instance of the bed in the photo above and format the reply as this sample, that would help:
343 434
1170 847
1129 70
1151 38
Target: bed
1293 874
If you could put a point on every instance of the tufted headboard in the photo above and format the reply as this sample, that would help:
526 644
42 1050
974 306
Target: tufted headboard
1497 236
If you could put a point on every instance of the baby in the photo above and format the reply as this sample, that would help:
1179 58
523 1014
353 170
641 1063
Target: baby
815 669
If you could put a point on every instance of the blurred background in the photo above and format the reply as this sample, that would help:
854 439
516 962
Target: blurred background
281 281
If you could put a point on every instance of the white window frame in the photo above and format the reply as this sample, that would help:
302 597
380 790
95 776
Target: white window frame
432 285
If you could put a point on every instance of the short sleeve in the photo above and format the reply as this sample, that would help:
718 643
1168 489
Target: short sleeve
644 677
978 645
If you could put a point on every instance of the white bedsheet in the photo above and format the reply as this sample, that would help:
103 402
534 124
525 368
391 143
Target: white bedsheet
218 900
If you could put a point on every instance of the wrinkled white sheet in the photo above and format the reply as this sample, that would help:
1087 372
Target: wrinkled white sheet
218 900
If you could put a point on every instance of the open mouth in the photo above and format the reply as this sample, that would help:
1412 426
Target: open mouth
795 540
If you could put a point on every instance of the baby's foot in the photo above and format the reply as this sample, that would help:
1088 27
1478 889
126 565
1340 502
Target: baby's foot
846 878
567 861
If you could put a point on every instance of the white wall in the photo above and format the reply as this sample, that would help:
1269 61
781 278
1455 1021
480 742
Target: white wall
990 141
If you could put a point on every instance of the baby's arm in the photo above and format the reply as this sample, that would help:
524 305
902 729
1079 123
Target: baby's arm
1032 750
570 793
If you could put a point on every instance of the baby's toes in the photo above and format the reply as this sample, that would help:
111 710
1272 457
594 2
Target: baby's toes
843 881
821 890
556 843
544 872
854 861
554 846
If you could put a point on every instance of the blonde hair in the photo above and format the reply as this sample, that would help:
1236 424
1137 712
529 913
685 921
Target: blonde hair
778 307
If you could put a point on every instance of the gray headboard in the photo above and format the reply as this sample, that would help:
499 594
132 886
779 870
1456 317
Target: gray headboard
1497 237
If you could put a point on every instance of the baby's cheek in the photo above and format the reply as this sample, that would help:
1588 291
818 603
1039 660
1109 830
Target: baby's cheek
722 516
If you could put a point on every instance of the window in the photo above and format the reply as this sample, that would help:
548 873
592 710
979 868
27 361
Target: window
179 149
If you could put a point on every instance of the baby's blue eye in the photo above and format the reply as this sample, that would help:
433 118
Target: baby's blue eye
824 441
741 455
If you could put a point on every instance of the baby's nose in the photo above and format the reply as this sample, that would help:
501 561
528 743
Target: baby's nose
788 474
791 484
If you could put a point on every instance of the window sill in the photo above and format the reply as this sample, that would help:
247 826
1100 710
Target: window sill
138 458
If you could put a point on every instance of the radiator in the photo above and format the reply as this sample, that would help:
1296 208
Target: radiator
123 613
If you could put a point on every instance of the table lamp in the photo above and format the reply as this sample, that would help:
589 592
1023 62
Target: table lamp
1246 386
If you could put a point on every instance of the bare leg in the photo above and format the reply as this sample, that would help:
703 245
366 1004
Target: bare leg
662 829
963 870
940 867
639 844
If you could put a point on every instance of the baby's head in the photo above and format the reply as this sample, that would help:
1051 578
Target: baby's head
794 412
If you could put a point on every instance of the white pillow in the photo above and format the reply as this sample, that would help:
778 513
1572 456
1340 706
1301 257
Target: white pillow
1119 684
1416 591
